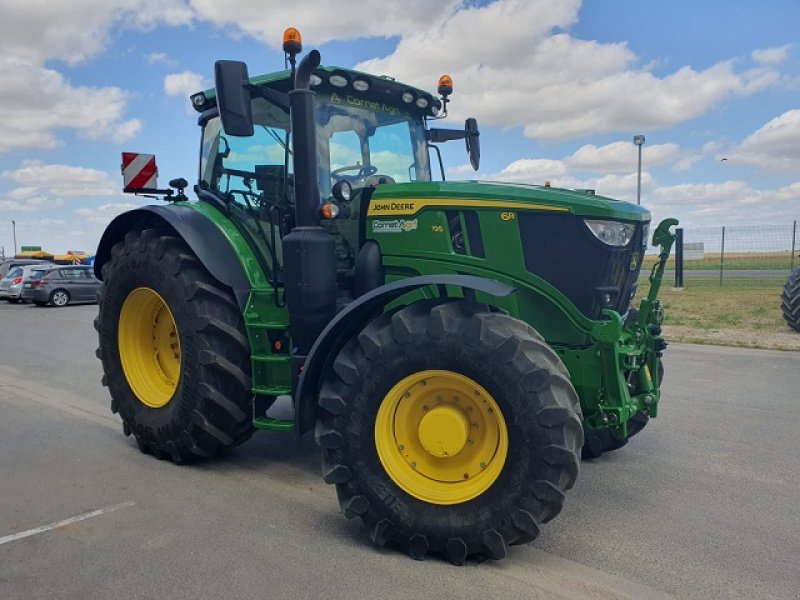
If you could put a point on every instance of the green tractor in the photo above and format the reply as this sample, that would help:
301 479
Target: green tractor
455 346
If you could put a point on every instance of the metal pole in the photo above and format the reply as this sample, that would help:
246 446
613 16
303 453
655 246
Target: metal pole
794 239
722 256
639 178
679 257
14 230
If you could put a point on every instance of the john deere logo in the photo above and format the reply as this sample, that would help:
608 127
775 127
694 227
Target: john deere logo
394 226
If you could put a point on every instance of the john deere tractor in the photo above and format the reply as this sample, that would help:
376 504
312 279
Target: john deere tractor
455 346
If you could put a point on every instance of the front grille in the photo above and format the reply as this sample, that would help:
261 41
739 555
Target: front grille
561 250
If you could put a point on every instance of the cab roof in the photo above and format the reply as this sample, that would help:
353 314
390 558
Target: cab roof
373 88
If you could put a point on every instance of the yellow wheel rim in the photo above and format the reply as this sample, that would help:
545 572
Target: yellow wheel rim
149 347
441 437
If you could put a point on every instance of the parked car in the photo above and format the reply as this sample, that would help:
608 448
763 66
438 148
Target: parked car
59 286
10 263
11 284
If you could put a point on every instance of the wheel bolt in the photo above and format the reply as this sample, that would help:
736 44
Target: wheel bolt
483 465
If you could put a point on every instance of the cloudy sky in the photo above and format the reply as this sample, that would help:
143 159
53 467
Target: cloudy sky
559 87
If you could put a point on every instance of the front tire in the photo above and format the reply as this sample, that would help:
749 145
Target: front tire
174 350
490 426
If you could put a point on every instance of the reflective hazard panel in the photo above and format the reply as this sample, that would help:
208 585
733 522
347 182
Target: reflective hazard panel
139 171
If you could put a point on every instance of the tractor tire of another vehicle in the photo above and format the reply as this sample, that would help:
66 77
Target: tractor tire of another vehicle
175 354
790 300
59 298
451 429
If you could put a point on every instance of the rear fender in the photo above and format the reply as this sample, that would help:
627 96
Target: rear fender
201 234
350 321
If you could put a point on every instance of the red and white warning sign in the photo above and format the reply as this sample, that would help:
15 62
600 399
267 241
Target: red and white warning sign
139 171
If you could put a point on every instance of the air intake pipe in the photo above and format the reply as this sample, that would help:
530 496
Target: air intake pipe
308 250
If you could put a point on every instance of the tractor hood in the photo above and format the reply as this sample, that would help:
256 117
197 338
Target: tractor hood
504 196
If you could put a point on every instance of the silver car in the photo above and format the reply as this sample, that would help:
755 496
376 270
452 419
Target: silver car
11 284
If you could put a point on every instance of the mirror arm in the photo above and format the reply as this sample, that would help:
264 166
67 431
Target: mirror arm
275 97
444 135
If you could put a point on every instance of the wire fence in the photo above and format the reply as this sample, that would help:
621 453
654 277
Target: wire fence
745 251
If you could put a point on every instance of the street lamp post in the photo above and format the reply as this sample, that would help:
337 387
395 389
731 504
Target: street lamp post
639 141
14 231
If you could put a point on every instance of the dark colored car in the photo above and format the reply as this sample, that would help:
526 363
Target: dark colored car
58 286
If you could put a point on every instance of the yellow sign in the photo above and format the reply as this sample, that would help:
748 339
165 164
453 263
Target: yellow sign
383 208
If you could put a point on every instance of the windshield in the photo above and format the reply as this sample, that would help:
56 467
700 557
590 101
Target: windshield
368 143
364 142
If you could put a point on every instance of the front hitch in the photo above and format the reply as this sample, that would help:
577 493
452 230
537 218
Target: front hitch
665 238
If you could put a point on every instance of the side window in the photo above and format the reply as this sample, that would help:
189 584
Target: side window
16 272
54 274
87 274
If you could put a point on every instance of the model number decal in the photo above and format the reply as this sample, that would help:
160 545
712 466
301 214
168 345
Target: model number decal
508 216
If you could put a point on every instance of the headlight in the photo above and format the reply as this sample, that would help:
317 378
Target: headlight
612 233
646 234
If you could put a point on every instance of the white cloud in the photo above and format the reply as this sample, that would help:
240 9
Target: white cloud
321 21
554 85
185 83
773 147
104 212
620 157
33 204
36 101
37 179
770 56
532 170
161 58
73 31
728 203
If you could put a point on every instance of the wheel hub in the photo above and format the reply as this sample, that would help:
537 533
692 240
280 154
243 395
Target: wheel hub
149 347
441 437
443 431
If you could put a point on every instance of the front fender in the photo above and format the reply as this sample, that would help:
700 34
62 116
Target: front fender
352 320
201 234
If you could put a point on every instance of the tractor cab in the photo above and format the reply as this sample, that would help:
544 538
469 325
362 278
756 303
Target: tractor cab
370 131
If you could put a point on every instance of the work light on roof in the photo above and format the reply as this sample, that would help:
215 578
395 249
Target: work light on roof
422 102
338 81
361 85
408 97
292 41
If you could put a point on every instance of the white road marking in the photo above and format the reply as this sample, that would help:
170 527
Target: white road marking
37 530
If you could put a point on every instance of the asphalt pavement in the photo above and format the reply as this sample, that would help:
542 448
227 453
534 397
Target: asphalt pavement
702 504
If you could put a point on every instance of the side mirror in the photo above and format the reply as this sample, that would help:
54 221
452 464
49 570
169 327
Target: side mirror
233 97
473 142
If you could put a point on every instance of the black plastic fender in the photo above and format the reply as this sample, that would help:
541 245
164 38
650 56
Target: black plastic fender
354 318
205 239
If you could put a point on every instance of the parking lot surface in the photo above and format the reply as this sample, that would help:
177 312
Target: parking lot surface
702 504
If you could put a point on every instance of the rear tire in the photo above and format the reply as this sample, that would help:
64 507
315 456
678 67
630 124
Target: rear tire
790 300
517 372
208 410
